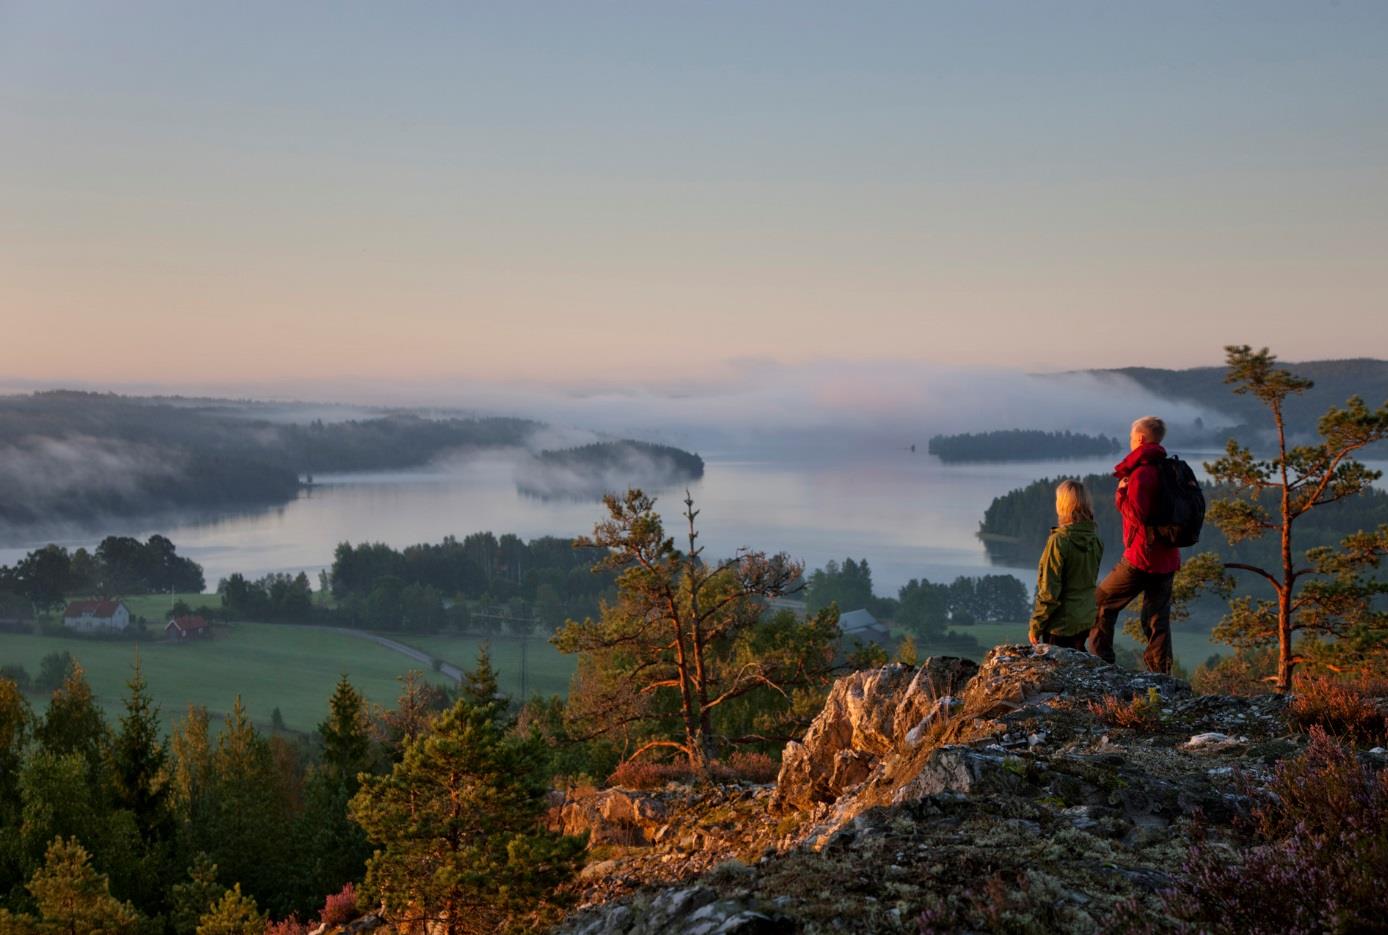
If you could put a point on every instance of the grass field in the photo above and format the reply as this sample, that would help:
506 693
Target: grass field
547 670
1190 647
269 665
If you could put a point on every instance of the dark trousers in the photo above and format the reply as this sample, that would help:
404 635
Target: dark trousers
1073 641
1116 592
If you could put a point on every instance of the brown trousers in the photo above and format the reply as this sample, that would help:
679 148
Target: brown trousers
1116 592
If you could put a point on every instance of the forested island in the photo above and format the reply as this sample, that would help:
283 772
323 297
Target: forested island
1020 445
589 471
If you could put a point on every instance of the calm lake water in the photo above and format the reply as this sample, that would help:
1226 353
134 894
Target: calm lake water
907 513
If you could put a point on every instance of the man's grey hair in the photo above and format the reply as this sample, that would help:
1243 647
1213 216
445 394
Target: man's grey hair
1151 428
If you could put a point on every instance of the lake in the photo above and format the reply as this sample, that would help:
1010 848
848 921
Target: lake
907 513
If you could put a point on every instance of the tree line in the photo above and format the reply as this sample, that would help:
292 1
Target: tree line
927 609
119 566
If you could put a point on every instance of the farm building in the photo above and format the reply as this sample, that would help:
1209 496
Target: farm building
187 627
860 626
101 614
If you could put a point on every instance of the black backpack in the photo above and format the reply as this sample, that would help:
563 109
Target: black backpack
1180 509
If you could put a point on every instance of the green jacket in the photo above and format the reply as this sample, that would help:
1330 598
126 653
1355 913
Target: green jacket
1065 581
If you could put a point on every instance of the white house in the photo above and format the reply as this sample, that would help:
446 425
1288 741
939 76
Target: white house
100 614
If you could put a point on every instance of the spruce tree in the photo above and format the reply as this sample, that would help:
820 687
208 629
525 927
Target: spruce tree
346 736
16 724
139 762
336 848
458 828
250 814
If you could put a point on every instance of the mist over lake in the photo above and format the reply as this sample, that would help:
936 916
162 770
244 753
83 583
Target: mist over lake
908 514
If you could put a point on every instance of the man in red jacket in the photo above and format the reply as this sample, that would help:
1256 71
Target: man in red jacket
1147 568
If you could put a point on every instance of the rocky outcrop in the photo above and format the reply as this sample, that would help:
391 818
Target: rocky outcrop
868 716
943 799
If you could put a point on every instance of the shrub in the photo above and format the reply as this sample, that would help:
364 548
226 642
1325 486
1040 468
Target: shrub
17 674
289 926
646 775
340 908
750 766
1247 672
53 670
1319 858
1142 713
1350 710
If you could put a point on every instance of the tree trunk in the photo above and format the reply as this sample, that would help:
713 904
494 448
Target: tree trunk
1285 661
1284 593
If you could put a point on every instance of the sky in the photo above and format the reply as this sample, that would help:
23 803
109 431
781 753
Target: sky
288 195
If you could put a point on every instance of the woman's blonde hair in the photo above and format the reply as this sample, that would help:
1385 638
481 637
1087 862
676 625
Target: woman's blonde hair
1072 502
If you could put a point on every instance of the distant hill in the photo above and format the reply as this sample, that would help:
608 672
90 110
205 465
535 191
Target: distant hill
1335 381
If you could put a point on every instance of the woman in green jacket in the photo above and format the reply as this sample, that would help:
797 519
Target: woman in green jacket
1069 566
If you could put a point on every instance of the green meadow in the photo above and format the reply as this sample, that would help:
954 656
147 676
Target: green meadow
547 670
269 665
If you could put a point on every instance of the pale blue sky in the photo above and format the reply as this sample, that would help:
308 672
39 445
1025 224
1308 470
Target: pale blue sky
259 191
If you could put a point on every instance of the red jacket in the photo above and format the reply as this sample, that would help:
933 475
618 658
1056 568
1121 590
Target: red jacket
1135 501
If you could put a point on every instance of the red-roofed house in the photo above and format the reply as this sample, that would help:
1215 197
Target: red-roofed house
187 627
100 614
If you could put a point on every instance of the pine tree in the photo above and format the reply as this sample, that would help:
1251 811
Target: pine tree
191 900
74 724
480 687
686 641
74 899
1332 594
235 914
458 829
418 703
191 783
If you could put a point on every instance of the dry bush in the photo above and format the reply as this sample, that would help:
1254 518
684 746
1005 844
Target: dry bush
289 926
1348 709
1142 713
646 775
340 908
750 766
742 766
